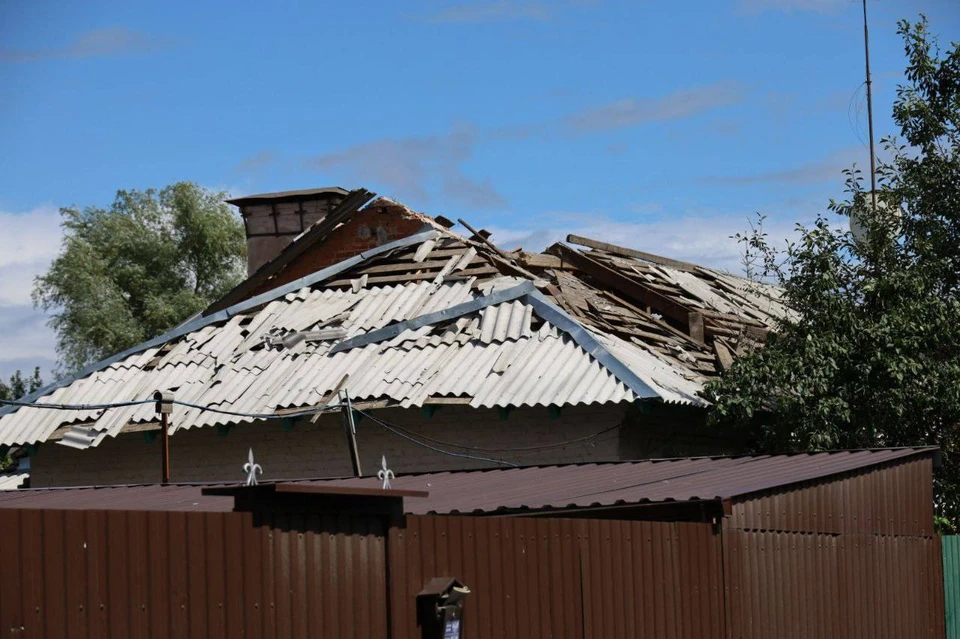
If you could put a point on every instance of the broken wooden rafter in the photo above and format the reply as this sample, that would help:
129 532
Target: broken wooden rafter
630 288
482 238
626 252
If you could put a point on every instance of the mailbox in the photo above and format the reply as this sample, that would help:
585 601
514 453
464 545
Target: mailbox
164 400
440 608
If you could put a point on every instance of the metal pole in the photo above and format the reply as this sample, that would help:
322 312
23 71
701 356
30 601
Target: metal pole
350 429
873 161
164 407
165 444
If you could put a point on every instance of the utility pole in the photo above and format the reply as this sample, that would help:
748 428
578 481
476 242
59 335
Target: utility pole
164 407
873 160
350 429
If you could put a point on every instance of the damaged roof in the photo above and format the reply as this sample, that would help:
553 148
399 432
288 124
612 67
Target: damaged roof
434 317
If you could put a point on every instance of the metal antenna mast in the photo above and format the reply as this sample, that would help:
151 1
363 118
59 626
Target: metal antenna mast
873 158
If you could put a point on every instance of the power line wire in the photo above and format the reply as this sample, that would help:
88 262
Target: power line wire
14 402
508 449
210 409
399 433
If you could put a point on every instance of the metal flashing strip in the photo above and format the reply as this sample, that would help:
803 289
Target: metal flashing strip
559 318
457 310
427 233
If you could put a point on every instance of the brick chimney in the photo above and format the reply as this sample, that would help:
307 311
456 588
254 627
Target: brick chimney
273 220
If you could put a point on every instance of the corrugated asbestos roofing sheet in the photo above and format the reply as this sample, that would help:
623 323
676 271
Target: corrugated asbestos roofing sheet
559 345
533 488
494 357
12 481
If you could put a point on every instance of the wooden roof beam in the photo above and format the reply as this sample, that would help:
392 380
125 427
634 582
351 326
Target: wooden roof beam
626 252
692 321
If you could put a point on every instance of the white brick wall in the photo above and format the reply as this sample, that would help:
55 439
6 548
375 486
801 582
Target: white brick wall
319 450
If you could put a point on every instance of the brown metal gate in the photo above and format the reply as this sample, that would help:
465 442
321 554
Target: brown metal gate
563 577
130 574
820 585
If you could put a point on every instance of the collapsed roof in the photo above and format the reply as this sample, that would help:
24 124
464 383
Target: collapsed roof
432 318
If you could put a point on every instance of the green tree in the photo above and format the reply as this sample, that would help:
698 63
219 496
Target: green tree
872 357
132 271
18 386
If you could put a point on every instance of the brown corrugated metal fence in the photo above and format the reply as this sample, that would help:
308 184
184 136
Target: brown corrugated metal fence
564 577
123 574
128 574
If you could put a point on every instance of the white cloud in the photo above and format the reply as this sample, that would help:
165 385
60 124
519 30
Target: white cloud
28 243
680 104
706 240
414 167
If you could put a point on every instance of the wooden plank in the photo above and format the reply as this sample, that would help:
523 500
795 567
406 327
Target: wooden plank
496 249
626 252
695 324
406 266
539 260
724 356
413 277
626 286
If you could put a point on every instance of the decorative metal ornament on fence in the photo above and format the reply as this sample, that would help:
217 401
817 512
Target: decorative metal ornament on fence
252 468
385 474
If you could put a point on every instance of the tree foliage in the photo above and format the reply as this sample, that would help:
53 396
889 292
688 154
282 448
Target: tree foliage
872 357
131 271
18 385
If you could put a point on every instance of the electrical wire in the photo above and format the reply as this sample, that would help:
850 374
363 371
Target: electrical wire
522 449
304 413
399 433
14 402
210 409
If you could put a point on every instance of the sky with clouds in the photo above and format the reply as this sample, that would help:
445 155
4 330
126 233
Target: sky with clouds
654 124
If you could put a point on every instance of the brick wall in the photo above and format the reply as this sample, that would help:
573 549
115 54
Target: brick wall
375 225
314 450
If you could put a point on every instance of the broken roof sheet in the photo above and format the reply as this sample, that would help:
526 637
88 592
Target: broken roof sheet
14 479
535 488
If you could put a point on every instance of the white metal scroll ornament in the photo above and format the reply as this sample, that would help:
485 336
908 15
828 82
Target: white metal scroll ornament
385 474
252 468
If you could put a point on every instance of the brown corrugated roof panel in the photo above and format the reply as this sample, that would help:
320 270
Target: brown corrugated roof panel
574 486
597 485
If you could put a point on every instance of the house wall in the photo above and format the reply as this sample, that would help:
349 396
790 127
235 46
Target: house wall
315 450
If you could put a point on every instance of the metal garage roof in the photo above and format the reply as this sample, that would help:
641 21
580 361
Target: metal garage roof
536 488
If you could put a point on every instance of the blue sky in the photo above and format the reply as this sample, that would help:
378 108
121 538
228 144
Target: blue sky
639 122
